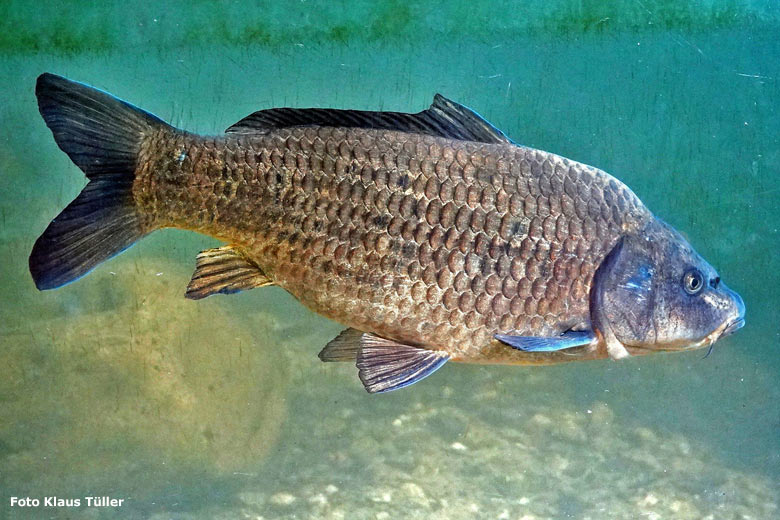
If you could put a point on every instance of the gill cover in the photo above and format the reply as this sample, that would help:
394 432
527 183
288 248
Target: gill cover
622 298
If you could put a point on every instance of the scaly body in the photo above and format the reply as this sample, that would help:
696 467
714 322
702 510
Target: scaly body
420 239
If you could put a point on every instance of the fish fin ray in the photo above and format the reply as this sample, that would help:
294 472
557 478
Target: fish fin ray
102 135
384 365
444 118
224 270
548 344
343 347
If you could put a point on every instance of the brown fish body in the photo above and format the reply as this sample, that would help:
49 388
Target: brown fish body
421 239
432 236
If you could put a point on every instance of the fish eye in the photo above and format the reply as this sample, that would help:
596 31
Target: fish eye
693 281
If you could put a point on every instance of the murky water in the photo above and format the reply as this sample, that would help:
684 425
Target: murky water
118 386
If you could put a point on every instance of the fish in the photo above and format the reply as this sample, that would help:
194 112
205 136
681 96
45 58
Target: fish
431 236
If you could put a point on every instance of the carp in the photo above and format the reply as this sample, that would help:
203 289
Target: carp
430 236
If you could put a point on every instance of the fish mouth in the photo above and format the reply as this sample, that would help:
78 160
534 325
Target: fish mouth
728 327
738 321
733 326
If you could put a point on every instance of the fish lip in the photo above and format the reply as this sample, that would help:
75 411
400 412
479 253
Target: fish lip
733 326
738 321
729 327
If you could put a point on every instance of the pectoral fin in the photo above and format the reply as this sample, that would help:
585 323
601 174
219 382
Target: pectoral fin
224 270
551 344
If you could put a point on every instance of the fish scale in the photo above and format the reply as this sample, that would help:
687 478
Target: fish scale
416 238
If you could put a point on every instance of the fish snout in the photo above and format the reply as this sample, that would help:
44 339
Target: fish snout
736 319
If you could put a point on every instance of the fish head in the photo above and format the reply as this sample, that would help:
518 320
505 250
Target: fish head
655 292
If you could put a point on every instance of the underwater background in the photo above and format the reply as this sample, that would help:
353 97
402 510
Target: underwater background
117 386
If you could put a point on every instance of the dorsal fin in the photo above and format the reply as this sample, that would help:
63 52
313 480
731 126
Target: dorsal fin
444 118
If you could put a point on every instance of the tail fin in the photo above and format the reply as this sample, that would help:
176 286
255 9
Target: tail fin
102 136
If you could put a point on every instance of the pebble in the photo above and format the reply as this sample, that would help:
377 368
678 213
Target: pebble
646 434
458 446
413 490
649 500
400 420
685 448
541 419
282 499
319 498
252 498
384 497
330 489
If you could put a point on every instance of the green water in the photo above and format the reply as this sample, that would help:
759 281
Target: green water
118 386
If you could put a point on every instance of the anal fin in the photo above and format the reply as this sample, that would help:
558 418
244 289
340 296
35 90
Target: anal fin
548 344
224 270
384 365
